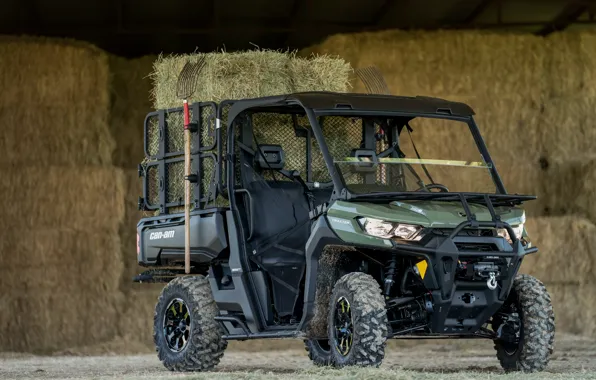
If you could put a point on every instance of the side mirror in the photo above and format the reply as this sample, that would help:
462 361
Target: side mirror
366 161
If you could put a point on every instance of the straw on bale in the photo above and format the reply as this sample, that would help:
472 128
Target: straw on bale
569 186
54 320
49 135
575 307
128 228
140 300
130 103
52 73
55 111
60 259
77 198
565 64
566 248
54 103
64 281
319 73
566 126
247 74
588 57
446 63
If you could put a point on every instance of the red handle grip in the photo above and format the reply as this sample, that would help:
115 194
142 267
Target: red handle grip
186 115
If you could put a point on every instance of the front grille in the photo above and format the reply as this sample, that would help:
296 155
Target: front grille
476 247
484 232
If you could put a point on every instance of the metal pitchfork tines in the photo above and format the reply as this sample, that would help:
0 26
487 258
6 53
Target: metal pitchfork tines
373 80
187 80
186 86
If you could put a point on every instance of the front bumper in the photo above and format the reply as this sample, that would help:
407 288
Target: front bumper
461 306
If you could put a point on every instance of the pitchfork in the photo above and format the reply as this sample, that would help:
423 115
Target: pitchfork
373 80
187 83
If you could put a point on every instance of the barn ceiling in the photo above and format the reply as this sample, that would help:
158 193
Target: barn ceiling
137 27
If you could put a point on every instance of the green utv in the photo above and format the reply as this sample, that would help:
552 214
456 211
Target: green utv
343 220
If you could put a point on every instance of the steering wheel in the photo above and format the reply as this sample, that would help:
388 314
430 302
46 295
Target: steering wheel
443 188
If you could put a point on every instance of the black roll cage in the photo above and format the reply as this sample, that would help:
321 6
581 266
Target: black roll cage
340 190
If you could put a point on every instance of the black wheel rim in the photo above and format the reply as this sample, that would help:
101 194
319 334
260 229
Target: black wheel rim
343 326
176 325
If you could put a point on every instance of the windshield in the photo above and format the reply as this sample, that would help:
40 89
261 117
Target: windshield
403 154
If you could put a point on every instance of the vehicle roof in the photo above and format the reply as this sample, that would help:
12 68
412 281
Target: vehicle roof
360 102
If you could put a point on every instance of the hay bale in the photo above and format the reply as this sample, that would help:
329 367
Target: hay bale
566 126
128 228
446 63
566 249
50 275
225 76
588 58
565 66
319 73
247 74
140 299
511 130
48 320
55 135
54 103
575 308
81 198
93 257
52 73
569 186
130 103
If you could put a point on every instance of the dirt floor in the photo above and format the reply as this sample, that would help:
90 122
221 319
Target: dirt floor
574 358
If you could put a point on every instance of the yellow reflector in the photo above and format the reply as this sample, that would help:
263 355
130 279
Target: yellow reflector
422 265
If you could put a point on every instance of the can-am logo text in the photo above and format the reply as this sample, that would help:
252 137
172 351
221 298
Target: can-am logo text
161 235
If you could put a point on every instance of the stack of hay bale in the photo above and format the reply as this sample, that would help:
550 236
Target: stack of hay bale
130 103
62 199
567 237
535 106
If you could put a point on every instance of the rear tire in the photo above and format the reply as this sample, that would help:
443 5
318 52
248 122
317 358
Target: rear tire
201 346
319 351
357 322
537 335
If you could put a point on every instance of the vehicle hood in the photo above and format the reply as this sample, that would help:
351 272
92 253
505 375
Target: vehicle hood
427 213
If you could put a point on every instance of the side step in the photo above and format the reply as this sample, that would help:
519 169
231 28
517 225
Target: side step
248 335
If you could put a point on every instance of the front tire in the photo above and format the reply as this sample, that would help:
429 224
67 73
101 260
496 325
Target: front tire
531 353
186 335
357 322
319 352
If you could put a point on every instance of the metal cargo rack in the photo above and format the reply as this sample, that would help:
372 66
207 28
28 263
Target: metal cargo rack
163 168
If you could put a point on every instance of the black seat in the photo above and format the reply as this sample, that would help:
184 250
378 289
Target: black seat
279 213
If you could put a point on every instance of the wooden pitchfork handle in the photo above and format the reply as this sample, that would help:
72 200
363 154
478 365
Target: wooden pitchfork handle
187 188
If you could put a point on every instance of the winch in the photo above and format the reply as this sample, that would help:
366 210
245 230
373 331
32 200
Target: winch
479 271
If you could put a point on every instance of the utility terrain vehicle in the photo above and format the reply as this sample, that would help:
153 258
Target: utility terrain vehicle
343 220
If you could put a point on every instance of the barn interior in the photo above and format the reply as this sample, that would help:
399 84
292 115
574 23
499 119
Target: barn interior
76 81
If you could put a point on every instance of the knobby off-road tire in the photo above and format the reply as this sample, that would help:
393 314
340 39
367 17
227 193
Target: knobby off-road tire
537 327
205 346
319 351
369 321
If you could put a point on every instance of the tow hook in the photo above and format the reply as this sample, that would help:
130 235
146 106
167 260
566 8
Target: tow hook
492 281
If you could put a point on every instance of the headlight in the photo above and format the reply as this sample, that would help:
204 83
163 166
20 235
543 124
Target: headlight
517 230
386 230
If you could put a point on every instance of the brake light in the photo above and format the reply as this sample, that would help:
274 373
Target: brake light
138 246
